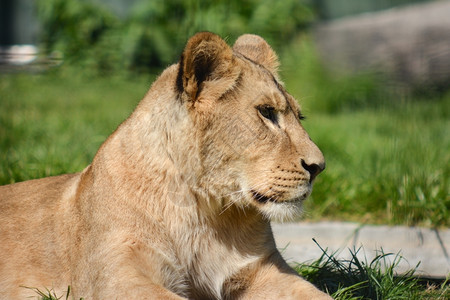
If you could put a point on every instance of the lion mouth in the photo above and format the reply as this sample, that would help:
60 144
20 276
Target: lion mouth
261 198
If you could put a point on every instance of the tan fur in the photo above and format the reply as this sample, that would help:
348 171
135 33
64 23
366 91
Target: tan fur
177 202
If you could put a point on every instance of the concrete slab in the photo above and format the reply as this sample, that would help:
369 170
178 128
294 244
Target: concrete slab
428 246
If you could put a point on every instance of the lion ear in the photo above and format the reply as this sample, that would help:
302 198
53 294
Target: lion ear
206 59
258 50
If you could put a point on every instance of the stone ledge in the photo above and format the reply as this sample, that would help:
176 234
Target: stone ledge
428 246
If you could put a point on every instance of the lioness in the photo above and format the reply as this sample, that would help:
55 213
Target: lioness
178 200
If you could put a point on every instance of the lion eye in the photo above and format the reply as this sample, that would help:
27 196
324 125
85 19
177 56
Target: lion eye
268 112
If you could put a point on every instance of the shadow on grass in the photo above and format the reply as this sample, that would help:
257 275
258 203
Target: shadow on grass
360 279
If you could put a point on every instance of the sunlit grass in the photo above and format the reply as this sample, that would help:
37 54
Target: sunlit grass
53 124
384 165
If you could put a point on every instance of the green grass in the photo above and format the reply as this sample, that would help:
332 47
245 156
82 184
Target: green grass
49 294
362 279
385 164
53 124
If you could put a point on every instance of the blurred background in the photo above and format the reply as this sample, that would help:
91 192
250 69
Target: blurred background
372 76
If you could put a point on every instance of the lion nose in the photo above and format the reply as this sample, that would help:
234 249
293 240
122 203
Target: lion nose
313 169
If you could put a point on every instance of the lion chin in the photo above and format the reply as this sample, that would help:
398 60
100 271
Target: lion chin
281 210
177 202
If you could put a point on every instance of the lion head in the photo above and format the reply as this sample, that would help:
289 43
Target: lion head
253 149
